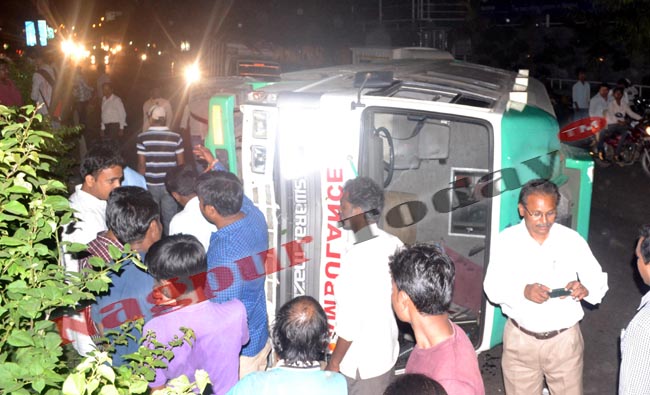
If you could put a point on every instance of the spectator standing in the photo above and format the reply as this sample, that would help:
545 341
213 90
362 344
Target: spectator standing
132 217
101 172
300 340
102 78
113 114
194 122
635 339
82 93
599 103
160 150
581 94
542 337
43 83
220 329
9 94
241 237
180 184
156 99
367 347
423 283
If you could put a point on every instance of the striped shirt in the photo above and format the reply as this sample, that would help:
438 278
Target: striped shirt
635 351
159 146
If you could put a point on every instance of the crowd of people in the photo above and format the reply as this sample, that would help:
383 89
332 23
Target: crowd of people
218 228
195 229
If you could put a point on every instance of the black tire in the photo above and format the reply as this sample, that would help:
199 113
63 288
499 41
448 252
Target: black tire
645 162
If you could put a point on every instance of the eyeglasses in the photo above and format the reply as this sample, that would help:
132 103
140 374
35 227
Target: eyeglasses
550 215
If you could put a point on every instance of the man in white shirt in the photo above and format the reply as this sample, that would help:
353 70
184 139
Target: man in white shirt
367 347
101 172
539 272
156 99
581 94
180 184
113 114
635 339
598 104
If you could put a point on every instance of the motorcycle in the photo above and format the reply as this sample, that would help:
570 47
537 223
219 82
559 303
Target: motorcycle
632 143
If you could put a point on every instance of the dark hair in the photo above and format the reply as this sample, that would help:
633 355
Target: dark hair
366 194
221 190
603 84
427 276
100 157
129 212
644 233
176 256
618 89
539 186
181 180
300 331
581 70
414 384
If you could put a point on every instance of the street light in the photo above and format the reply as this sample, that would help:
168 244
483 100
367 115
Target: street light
192 73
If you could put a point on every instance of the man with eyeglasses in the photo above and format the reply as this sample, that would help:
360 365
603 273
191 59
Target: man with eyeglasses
539 272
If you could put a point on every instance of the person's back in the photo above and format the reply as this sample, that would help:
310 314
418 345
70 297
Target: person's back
180 184
300 340
284 380
159 151
241 237
220 330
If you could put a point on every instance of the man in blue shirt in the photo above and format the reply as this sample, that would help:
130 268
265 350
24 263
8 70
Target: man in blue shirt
238 247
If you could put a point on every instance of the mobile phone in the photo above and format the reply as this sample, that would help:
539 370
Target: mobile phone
557 292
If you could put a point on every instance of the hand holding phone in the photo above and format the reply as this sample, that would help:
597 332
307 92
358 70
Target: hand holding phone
557 292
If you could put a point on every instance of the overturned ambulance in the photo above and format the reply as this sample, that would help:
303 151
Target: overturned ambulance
451 142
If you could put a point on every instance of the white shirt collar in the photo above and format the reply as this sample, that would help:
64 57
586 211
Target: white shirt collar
644 300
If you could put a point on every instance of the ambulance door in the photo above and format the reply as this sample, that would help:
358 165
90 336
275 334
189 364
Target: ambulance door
433 167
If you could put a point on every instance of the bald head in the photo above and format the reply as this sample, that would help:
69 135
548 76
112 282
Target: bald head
300 331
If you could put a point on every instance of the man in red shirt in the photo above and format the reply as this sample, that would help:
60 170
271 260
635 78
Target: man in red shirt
9 94
423 281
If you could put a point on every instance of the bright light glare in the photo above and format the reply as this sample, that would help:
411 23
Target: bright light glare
192 73
74 50
143 56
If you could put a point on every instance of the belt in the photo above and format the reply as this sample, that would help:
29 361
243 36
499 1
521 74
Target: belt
538 335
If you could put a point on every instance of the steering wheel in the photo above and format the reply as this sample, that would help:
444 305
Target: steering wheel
389 167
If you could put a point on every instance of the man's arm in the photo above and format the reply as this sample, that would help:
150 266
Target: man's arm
142 164
122 115
592 284
36 82
341 349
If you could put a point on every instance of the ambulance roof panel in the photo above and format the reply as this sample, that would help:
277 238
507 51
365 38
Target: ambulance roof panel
443 80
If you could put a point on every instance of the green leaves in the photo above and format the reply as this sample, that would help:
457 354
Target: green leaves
34 287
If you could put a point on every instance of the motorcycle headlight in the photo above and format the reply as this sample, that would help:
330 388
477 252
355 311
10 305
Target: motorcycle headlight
647 130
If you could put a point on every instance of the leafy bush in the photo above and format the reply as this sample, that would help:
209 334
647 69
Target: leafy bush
34 287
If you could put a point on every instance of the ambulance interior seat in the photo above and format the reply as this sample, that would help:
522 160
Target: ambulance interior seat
417 140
